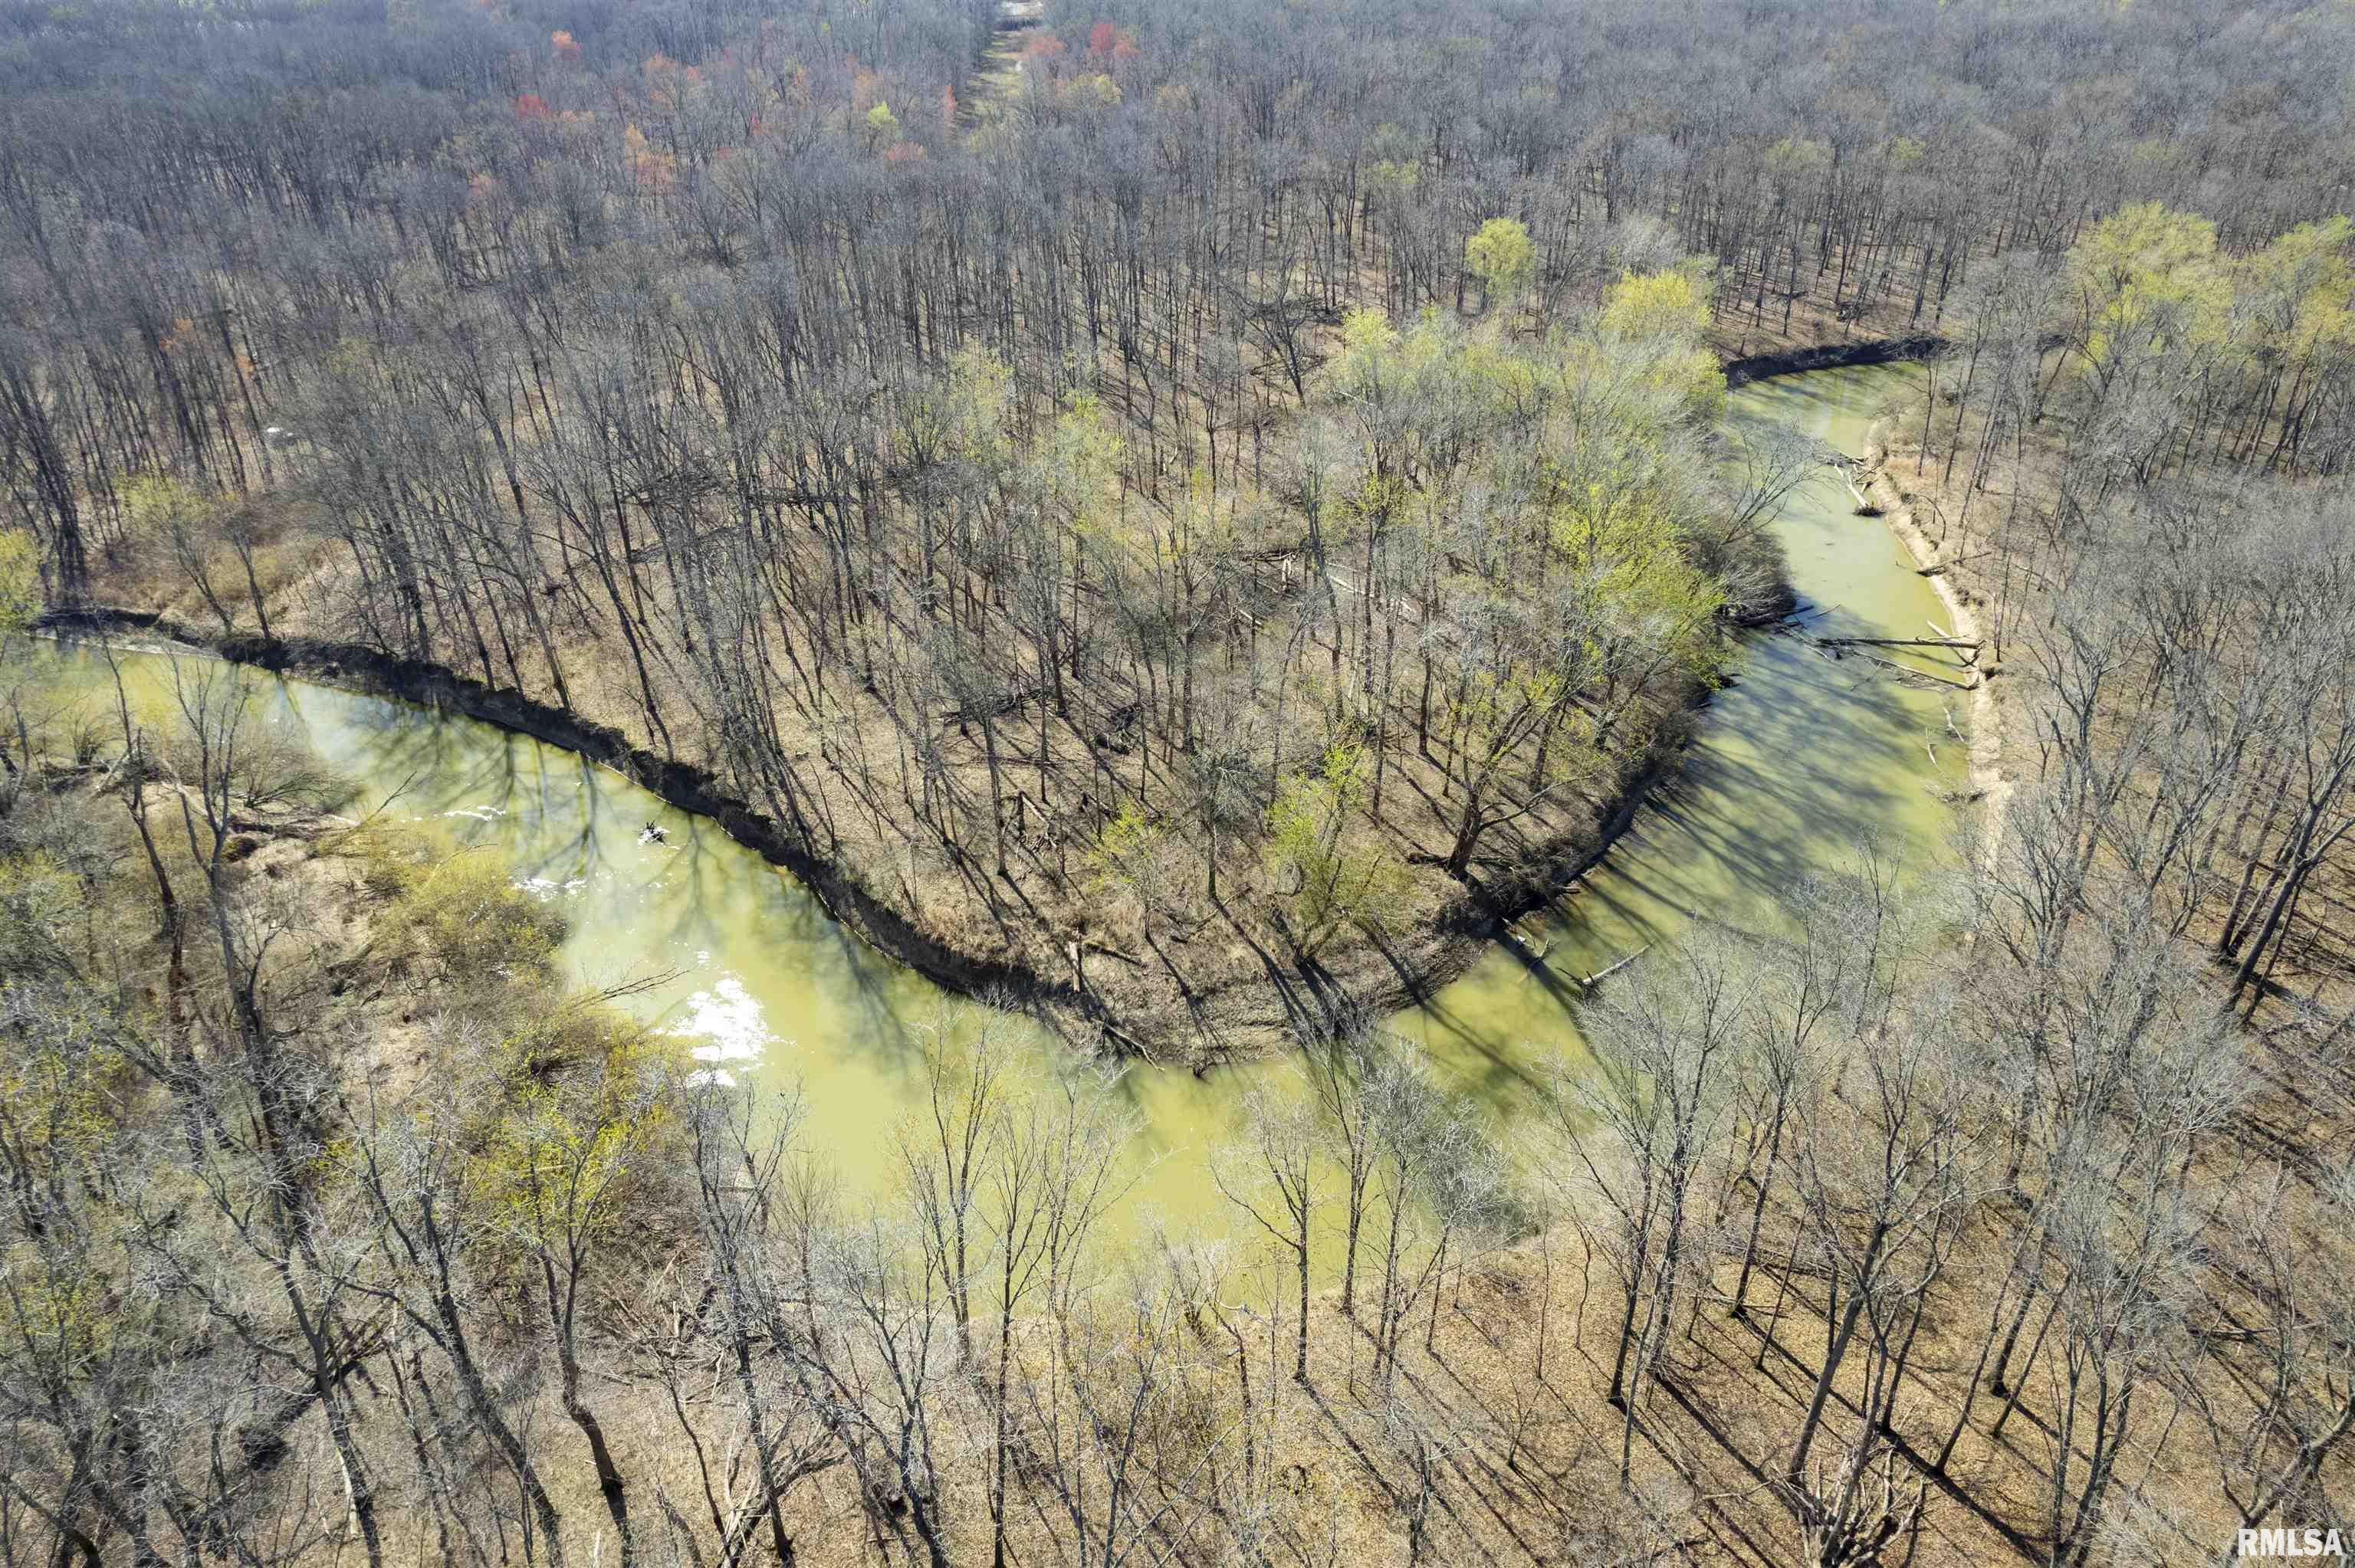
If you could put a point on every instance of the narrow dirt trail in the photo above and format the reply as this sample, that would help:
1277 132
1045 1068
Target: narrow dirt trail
997 73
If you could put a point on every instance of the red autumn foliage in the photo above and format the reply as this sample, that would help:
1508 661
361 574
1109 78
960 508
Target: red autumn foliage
530 107
1102 38
1039 56
566 49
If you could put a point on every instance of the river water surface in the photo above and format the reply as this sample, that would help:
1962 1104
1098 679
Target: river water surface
1796 762
1799 763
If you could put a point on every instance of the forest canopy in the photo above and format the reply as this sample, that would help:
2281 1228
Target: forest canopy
1191 519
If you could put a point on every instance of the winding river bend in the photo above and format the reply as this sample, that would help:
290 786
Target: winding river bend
1796 762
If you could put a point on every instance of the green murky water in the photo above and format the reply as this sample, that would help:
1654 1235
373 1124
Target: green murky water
1794 762
1798 763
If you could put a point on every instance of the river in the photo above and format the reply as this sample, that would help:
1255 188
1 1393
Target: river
1797 761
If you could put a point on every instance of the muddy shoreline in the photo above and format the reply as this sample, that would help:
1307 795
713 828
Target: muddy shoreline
1241 1019
1989 787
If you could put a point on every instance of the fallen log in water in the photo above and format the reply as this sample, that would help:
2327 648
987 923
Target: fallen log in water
1902 642
1591 981
1902 672
1934 567
1795 623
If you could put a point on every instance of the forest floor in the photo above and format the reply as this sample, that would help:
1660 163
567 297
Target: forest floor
1490 1440
321 888
1198 980
1493 1441
1746 324
1215 986
1174 974
1954 522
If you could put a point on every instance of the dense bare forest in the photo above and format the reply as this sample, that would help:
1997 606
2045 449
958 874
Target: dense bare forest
1190 516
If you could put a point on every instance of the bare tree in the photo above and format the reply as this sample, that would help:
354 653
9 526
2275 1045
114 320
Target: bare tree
1280 1189
1644 1124
2293 1365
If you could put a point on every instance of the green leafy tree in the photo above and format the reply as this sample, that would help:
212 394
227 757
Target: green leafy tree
1328 881
1502 257
1658 323
2150 283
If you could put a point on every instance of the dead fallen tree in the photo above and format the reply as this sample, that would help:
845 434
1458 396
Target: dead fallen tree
1902 672
1599 976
